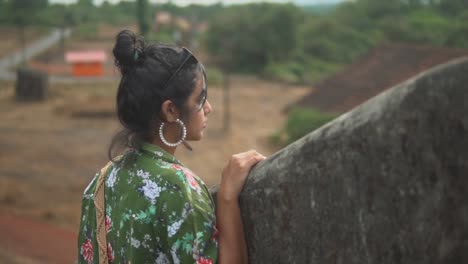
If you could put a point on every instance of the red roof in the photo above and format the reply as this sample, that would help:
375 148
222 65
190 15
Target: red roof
85 56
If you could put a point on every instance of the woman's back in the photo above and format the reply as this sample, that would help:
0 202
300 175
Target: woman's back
157 211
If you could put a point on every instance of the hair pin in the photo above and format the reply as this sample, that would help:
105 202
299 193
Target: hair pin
135 56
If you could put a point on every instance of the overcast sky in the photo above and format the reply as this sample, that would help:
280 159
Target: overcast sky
186 2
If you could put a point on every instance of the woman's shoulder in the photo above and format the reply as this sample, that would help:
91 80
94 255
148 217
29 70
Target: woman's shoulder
153 178
162 172
180 179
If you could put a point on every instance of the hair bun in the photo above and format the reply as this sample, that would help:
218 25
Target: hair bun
128 50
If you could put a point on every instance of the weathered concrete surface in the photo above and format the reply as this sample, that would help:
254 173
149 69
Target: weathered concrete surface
384 183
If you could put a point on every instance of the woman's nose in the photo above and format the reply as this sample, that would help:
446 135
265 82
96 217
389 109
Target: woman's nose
208 107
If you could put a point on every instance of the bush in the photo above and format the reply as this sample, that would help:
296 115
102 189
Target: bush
301 72
164 35
317 69
86 31
428 26
329 40
214 76
300 122
287 72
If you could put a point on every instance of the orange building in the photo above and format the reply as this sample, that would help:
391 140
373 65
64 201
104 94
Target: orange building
86 63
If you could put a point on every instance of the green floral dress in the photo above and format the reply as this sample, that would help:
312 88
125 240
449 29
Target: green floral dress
157 211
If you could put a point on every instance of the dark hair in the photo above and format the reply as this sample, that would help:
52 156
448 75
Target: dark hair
143 87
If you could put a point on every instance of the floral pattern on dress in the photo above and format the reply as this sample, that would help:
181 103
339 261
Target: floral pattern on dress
203 260
150 190
214 236
108 223
112 178
87 251
157 211
189 177
110 253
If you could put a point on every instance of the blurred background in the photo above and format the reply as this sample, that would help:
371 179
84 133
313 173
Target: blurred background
276 70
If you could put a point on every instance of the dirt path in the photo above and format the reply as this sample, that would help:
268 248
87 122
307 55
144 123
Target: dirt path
31 50
26 241
50 151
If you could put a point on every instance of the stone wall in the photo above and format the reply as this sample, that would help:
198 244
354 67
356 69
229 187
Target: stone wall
384 183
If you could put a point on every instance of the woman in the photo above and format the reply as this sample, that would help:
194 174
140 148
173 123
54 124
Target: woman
157 210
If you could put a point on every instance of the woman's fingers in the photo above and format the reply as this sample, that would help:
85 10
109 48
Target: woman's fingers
251 157
254 159
236 171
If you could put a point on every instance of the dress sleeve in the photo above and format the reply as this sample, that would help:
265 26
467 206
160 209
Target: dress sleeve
190 227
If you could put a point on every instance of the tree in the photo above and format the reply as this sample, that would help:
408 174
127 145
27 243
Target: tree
3 11
84 9
453 7
142 8
249 37
24 13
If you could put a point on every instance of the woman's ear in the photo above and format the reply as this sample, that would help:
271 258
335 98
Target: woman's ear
170 111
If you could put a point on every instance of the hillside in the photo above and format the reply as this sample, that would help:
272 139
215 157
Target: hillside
378 70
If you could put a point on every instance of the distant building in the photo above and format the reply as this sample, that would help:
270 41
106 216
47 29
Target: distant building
184 30
86 63
167 19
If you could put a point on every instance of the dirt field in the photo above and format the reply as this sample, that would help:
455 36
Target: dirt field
50 150
10 38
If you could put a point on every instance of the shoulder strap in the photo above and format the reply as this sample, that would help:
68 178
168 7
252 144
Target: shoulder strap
101 215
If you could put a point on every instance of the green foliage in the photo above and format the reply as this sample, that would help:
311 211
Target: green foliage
121 13
279 41
142 16
300 71
458 36
289 72
300 122
256 34
415 21
84 12
317 69
192 11
295 45
329 40
42 13
164 35
86 31
24 12
453 7
319 9
430 26
215 76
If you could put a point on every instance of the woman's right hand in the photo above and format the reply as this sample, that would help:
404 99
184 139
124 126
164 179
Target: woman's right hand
235 173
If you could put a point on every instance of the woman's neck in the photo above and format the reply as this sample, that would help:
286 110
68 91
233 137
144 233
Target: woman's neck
171 150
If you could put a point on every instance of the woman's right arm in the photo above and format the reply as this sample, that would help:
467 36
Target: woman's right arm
232 245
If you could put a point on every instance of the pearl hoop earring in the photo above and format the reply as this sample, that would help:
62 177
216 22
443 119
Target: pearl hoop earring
184 134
